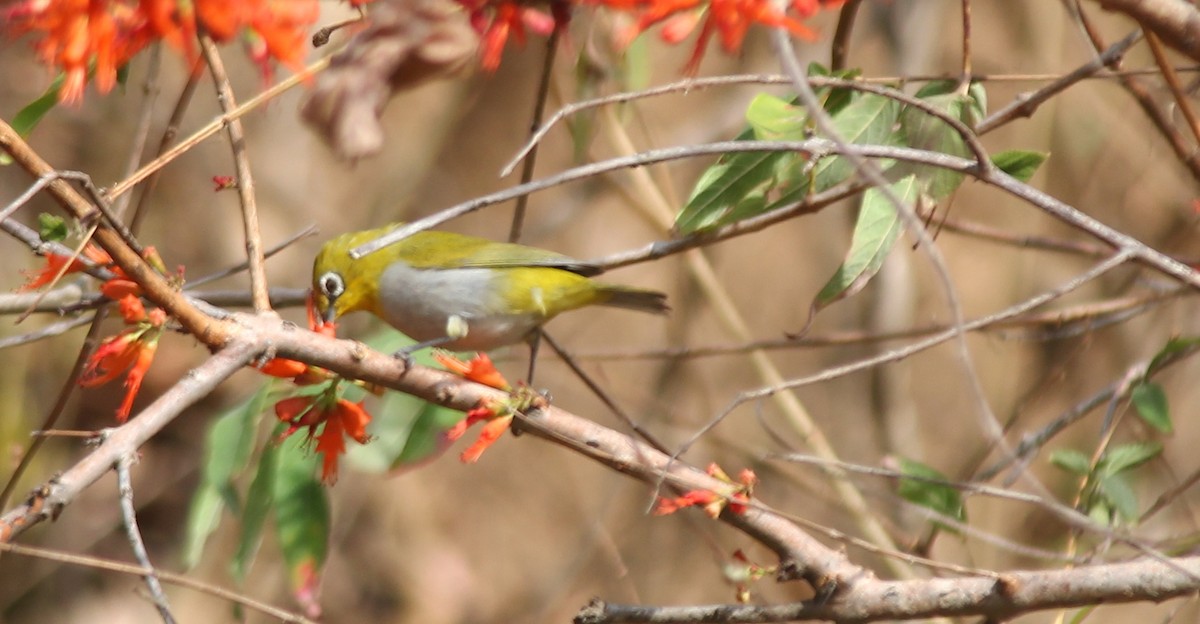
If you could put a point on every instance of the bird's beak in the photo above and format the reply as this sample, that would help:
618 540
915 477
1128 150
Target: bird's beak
330 313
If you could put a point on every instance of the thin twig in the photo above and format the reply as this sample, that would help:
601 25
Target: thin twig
167 577
245 175
535 124
604 397
1181 99
169 133
125 491
1026 103
1184 152
965 70
60 403
691 84
145 116
839 48
309 230
214 127
895 355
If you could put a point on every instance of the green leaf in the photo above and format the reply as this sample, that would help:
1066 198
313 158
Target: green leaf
940 498
724 185
924 131
260 499
775 119
28 118
1126 457
867 119
1100 511
1020 164
301 516
874 234
204 515
52 228
227 449
407 431
1173 348
1120 496
1151 404
1072 461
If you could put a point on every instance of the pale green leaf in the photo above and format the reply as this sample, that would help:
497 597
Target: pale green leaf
227 449
1126 457
875 232
1020 164
941 498
1151 404
1072 461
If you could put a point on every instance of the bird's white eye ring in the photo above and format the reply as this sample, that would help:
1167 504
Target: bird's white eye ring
332 285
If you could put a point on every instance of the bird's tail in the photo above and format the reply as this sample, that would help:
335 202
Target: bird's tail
634 299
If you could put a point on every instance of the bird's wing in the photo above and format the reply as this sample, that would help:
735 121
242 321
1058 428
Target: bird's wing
462 251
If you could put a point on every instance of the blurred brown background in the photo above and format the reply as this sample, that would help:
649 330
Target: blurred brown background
532 532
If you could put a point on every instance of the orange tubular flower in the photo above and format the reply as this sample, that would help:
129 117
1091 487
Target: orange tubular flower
338 420
479 369
131 350
55 263
495 427
737 499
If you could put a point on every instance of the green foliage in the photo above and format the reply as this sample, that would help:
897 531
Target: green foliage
1151 404
301 513
1107 493
922 491
744 185
1174 348
284 487
28 117
1020 164
408 431
227 449
285 494
52 228
875 232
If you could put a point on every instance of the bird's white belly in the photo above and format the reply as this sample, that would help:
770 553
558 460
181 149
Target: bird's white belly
420 303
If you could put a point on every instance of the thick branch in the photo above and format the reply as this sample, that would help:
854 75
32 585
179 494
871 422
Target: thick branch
156 287
48 501
997 599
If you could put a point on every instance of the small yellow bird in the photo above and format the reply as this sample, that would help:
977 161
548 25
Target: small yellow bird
462 292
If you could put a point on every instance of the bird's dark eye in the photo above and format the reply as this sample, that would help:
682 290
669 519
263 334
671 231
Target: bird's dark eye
332 285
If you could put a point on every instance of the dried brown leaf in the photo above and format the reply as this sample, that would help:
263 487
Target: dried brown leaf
406 43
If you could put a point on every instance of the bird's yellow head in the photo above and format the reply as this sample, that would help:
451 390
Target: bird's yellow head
342 284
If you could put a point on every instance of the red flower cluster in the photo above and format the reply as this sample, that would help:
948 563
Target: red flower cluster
71 34
498 416
131 350
340 419
337 418
736 499
495 20
730 19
